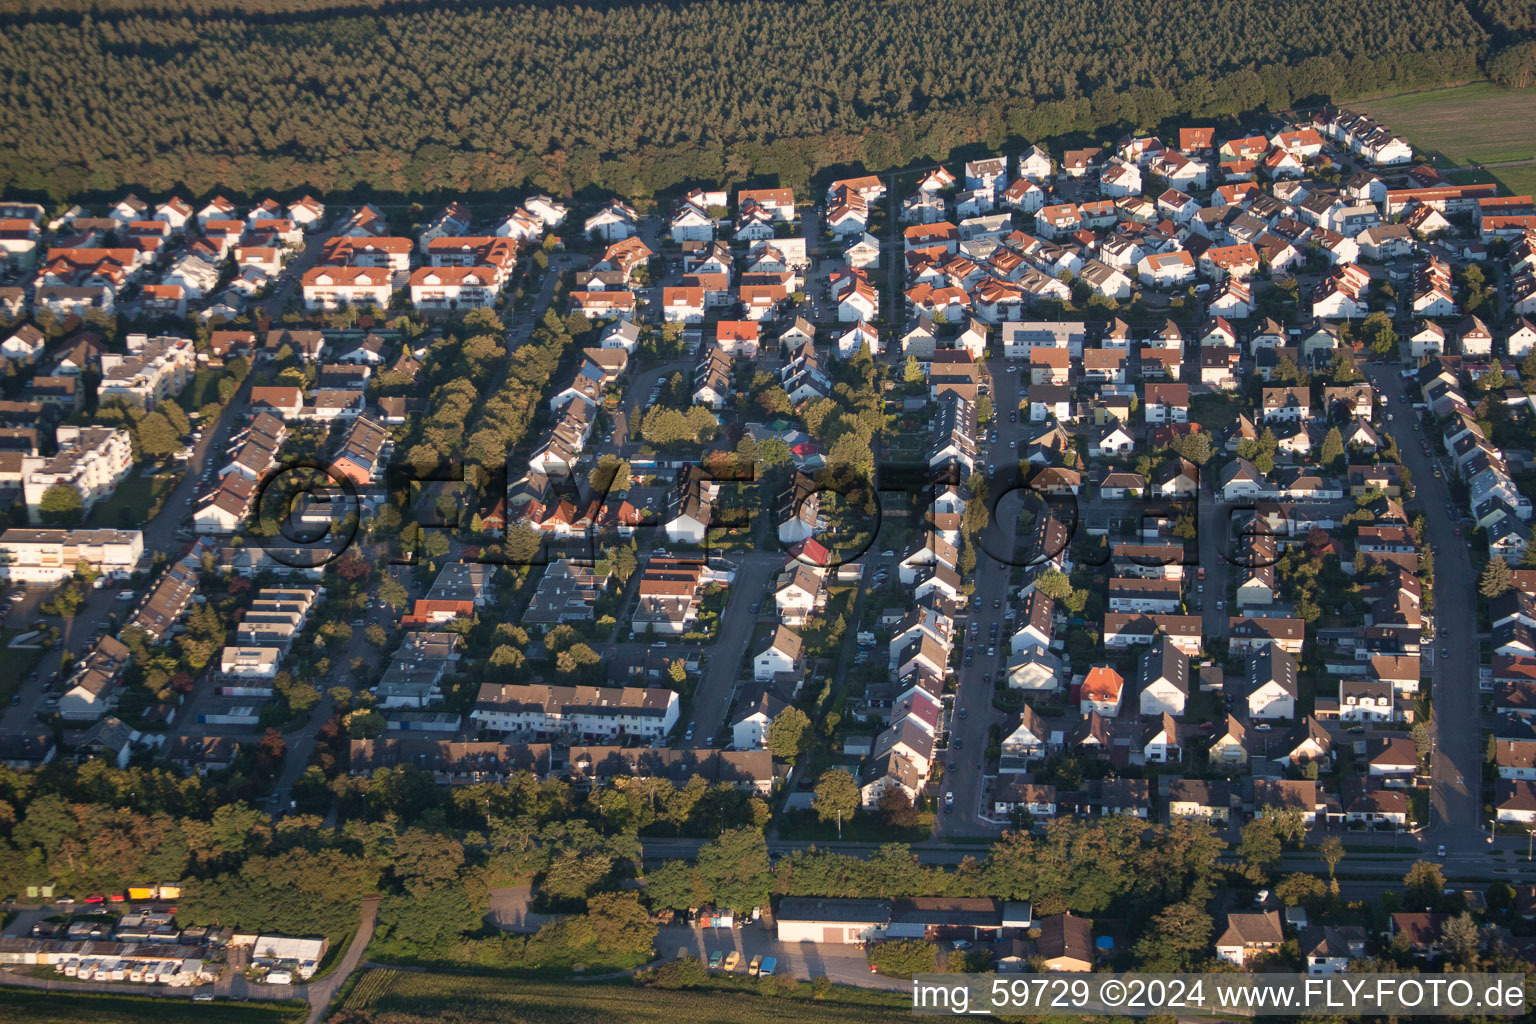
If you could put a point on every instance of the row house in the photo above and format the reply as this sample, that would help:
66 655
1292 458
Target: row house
541 710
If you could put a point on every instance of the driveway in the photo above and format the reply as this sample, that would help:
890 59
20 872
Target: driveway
846 965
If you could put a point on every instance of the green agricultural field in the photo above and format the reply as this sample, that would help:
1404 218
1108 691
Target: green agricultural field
22 1006
1518 180
392 997
1478 123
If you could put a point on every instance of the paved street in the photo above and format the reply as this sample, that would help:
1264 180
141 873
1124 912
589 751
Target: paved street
732 646
1456 797
969 736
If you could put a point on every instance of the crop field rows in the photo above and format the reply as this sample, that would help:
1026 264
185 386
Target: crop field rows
1470 124
396 997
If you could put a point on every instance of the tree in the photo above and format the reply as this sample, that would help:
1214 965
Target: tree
1424 883
507 656
853 449
1287 373
1301 889
1378 332
60 506
1461 938
1514 67
1496 579
684 972
157 438
620 924
912 373
903 958
674 885
1331 849
735 869
897 811
1176 936
1332 454
1492 380
1421 740
1260 845
837 797
1195 447
573 872
612 474
176 418
394 594
772 453
1344 370
1054 584
788 733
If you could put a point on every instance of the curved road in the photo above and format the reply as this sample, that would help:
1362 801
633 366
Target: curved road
323 991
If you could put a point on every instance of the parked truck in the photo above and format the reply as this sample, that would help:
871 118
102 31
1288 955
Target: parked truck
769 963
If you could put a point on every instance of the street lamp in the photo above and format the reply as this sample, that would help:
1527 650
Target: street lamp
1530 834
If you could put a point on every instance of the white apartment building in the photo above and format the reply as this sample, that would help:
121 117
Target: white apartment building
48 556
154 369
92 460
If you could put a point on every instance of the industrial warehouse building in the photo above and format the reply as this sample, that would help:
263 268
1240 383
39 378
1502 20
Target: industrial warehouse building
935 918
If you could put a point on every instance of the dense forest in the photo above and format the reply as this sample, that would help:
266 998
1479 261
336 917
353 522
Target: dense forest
635 98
